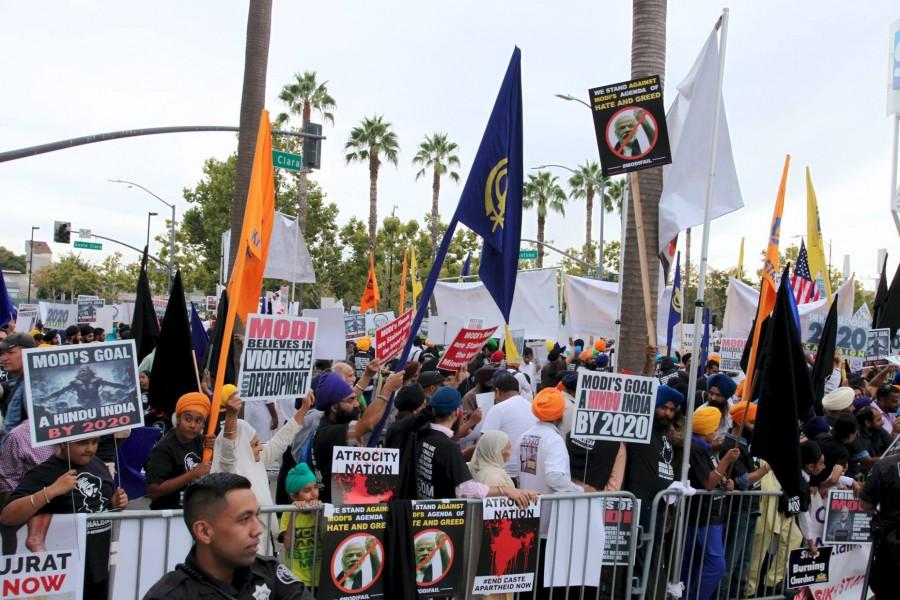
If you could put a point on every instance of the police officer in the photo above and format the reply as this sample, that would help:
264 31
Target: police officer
881 494
221 512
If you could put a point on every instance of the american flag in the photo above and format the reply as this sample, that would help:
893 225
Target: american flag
802 284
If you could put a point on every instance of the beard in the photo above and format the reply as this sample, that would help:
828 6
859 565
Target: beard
342 418
661 423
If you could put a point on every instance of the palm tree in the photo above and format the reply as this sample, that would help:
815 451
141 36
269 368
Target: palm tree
439 154
543 192
256 60
615 194
584 183
648 57
303 96
371 140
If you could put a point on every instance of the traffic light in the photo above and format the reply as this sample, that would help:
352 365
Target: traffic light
62 231
312 147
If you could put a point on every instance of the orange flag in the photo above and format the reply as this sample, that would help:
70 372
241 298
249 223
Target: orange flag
370 297
768 287
403 283
245 282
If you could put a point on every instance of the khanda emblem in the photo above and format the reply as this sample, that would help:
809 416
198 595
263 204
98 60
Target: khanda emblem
677 299
495 193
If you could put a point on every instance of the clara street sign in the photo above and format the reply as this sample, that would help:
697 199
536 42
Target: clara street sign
88 245
528 254
286 160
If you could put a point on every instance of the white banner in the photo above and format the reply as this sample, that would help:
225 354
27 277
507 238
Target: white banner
54 573
58 316
288 256
535 307
591 306
329 344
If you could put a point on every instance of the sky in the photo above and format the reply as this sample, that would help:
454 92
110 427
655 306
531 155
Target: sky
800 78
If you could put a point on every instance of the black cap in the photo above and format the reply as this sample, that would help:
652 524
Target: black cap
17 340
427 378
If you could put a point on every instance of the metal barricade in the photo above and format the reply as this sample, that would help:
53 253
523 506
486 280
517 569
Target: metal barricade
722 545
147 544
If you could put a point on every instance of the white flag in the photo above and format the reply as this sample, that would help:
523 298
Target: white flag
288 257
690 124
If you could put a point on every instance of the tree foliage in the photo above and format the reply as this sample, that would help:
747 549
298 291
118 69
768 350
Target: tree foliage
12 261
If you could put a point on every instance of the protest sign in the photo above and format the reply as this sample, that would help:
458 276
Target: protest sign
76 392
25 320
439 542
364 475
851 337
58 316
614 406
277 358
878 347
845 519
353 547
630 124
56 572
730 352
330 342
212 304
159 307
26 306
105 317
847 565
575 531
87 308
509 547
376 320
805 569
354 326
467 343
391 337
618 516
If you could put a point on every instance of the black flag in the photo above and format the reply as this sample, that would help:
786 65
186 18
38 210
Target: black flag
144 324
881 294
889 315
211 360
785 396
824 364
174 371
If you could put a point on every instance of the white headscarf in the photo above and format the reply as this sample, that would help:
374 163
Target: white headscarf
525 389
487 462
237 457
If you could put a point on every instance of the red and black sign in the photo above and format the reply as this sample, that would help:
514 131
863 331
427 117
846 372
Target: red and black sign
509 547
353 547
630 123
438 538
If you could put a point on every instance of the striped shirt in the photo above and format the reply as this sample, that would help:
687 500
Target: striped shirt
17 457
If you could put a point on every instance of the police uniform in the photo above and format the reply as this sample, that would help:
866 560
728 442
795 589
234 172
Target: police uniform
882 490
265 579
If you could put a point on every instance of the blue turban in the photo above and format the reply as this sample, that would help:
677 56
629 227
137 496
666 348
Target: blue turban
445 401
725 384
665 393
332 389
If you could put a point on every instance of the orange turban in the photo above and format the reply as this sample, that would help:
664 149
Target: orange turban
196 402
364 343
600 345
586 355
705 420
737 412
548 405
714 357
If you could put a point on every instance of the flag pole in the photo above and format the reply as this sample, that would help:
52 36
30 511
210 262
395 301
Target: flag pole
701 282
693 372
626 198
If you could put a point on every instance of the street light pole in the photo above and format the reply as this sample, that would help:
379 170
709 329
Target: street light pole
601 187
149 214
171 261
571 98
31 261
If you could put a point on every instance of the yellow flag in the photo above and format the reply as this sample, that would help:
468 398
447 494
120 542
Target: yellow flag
414 277
371 297
739 273
245 282
403 284
509 347
815 247
767 287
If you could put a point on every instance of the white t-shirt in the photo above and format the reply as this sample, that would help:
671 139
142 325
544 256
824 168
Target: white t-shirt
541 451
513 416
530 369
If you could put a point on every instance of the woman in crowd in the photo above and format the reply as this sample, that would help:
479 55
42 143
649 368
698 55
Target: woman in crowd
491 454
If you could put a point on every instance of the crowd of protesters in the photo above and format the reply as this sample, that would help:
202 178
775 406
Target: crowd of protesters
522 449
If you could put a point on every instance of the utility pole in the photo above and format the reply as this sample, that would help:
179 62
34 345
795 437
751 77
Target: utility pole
31 261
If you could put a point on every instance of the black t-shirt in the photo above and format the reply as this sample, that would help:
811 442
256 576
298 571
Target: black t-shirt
703 461
360 361
649 468
591 461
835 453
440 465
327 436
882 489
876 441
168 459
93 493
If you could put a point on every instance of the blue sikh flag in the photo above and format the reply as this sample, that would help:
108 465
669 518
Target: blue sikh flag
491 201
675 306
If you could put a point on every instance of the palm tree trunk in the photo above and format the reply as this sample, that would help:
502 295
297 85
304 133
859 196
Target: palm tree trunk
589 216
303 196
648 57
540 239
373 202
435 213
256 59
